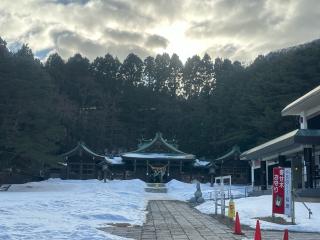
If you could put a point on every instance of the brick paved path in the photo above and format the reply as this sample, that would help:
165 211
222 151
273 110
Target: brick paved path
173 220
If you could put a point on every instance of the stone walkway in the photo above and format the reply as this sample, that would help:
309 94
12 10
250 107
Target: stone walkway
174 220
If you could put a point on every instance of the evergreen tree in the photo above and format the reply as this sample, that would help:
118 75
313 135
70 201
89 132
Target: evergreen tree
131 70
149 72
175 76
162 72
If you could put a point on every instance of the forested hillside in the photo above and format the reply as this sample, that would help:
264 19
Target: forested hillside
206 105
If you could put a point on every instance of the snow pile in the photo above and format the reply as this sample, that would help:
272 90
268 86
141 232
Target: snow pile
70 209
184 191
253 207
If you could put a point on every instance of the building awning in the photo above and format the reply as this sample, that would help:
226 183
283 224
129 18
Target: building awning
284 143
305 103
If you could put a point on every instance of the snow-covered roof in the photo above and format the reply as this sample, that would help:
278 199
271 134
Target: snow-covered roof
200 163
303 104
158 156
114 160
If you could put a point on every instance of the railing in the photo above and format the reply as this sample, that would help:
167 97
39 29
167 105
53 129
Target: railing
219 195
238 192
304 204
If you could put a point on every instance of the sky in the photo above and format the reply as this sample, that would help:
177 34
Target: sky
235 29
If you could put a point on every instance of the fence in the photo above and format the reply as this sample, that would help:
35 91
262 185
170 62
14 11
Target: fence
235 192
219 195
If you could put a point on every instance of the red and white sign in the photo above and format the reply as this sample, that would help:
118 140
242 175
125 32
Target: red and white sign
281 191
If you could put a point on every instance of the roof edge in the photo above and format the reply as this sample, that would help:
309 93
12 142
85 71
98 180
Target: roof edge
300 100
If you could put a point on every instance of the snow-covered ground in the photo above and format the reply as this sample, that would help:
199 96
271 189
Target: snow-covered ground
184 191
70 209
253 207
75 209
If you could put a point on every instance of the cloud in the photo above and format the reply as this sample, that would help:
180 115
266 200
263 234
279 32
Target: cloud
256 27
68 43
123 50
156 41
66 2
225 51
241 19
239 30
123 36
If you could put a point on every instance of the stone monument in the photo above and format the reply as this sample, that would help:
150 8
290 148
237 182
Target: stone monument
197 195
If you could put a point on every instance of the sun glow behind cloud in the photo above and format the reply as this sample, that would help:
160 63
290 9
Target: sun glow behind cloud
239 30
178 42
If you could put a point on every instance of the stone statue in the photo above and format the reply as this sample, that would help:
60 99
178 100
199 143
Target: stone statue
197 195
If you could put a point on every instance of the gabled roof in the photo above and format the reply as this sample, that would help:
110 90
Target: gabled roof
235 152
158 139
158 148
305 103
81 146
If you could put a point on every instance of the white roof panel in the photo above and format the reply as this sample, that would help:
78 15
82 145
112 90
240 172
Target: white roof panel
303 104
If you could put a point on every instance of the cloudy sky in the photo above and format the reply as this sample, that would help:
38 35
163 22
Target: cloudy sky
236 29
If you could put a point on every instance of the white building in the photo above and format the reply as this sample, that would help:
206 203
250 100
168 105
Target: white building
299 149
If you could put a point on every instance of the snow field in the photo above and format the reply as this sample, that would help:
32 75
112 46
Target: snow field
75 209
253 207
70 209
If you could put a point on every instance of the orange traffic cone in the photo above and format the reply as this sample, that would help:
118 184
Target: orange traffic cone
286 235
237 226
257 233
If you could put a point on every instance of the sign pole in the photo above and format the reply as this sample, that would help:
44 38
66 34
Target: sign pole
293 218
273 215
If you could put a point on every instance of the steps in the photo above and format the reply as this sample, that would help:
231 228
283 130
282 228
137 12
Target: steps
156 188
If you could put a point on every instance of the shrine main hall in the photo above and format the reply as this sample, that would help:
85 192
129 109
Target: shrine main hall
155 160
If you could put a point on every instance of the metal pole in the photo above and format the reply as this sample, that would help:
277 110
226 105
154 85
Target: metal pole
216 202
222 204
293 218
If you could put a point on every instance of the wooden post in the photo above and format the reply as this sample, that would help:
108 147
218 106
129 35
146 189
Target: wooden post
147 162
105 176
263 175
68 170
180 166
94 168
307 152
81 168
252 173
105 169
267 175
135 166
